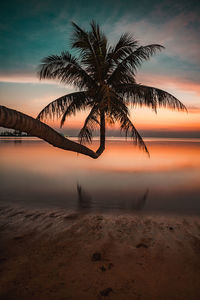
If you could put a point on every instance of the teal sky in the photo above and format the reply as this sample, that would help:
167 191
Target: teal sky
31 30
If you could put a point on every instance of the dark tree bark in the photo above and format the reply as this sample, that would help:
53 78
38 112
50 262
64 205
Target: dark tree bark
102 134
13 119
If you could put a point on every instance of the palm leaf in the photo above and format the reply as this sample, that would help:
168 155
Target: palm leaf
130 64
142 95
66 68
119 112
124 47
127 126
77 104
99 41
59 106
90 123
81 40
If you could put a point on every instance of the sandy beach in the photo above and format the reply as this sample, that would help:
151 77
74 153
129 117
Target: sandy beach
59 254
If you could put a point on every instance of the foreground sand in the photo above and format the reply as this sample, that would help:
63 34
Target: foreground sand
66 255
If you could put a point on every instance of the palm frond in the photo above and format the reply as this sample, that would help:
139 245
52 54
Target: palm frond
81 40
85 134
117 53
48 65
152 97
99 40
117 106
59 106
124 47
92 47
119 113
79 103
65 68
127 126
144 53
130 64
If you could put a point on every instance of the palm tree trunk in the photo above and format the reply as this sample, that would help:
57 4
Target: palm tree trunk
10 118
102 134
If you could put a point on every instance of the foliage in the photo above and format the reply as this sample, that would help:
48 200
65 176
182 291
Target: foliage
105 77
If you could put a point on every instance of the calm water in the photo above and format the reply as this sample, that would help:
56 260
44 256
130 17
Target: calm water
34 173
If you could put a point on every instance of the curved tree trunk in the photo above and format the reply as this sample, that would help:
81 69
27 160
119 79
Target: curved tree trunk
102 134
13 119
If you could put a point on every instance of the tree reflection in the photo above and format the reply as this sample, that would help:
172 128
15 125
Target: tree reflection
139 205
85 201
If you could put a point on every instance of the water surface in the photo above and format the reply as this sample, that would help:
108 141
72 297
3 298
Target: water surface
34 173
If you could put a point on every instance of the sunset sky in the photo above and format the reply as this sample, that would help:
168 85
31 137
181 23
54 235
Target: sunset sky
31 30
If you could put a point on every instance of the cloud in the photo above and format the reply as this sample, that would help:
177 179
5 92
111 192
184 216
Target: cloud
15 78
176 69
180 34
194 110
29 78
169 82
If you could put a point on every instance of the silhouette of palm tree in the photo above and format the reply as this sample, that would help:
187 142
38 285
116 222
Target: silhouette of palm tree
105 77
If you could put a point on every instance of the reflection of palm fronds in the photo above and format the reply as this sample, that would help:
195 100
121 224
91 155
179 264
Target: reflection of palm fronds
84 199
142 201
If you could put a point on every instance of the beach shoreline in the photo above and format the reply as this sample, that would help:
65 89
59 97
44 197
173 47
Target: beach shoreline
59 254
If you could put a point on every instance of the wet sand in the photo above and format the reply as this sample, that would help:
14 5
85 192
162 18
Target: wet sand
58 254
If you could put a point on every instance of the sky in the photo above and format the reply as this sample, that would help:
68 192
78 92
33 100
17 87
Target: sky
31 30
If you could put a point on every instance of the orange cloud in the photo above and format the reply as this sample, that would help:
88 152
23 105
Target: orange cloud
166 82
166 120
146 119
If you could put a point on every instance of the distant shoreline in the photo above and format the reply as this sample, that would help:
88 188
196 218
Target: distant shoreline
114 138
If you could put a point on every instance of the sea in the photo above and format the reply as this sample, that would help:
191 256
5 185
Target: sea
123 179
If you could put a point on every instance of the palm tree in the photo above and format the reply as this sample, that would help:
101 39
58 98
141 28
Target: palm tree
105 78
